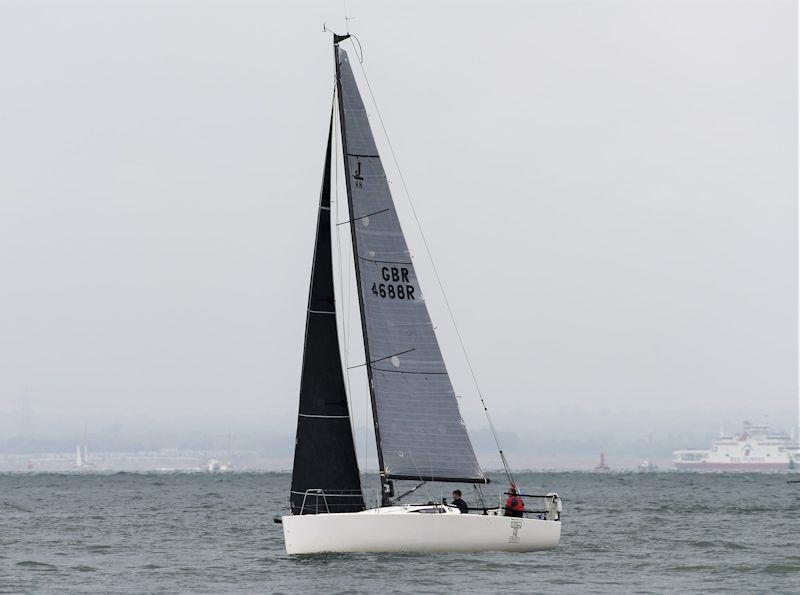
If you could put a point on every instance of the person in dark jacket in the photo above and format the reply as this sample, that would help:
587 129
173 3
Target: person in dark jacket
457 501
514 504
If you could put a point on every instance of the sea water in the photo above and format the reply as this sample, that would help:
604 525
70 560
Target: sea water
178 532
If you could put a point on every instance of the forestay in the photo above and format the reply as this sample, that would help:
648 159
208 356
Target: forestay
420 429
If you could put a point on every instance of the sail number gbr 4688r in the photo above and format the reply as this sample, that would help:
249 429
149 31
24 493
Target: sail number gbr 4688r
397 286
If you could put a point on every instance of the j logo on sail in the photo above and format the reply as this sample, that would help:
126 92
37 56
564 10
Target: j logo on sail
359 179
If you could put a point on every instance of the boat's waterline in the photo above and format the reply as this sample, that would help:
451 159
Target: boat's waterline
416 532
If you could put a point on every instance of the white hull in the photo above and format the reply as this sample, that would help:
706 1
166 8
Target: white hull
387 530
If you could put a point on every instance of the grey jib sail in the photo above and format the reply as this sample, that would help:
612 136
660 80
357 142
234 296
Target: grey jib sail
420 432
324 456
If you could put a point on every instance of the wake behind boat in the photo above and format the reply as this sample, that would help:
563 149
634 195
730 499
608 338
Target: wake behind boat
419 431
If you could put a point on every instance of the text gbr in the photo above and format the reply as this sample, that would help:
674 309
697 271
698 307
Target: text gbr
398 286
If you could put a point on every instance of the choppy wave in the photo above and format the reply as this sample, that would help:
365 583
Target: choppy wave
38 566
137 532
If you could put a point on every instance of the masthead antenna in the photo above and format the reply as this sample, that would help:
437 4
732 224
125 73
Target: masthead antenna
346 18
355 40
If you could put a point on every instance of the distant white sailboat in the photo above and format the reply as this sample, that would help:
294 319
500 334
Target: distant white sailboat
419 431
82 460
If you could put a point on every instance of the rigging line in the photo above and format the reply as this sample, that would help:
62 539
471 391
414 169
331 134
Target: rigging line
478 496
347 20
406 493
347 292
383 358
336 200
347 318
435 271
362 217
360 51
346 304
419 473
338 238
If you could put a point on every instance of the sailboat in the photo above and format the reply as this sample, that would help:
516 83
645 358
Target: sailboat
83 462
419 432
82 459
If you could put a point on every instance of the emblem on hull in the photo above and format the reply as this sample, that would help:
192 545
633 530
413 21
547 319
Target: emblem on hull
515 527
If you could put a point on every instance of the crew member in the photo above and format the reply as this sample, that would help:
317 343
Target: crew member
457 501
514 504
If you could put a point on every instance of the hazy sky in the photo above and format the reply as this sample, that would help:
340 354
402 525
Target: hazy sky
609 189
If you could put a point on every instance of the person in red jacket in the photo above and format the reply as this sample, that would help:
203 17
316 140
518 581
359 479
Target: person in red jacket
514 504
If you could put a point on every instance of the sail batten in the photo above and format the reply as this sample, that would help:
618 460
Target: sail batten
324 457
420 432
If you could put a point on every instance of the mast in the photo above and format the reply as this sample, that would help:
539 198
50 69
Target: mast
385 487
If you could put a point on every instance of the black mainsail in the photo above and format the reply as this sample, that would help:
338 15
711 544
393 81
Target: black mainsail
324 456
418 426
